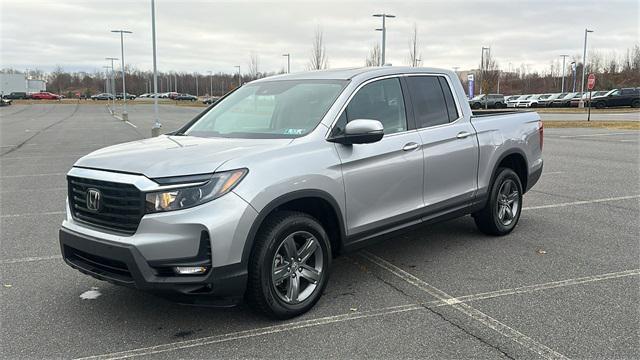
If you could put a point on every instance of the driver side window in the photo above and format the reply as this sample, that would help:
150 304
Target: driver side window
380 100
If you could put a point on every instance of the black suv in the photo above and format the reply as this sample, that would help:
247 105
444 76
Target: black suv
620 97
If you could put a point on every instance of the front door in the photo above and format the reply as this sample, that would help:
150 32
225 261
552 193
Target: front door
382 180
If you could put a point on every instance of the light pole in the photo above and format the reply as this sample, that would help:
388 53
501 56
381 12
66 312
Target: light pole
113 84
210 83
239 76
573 70
197 93
106 78
564 57
384 34
584 67
288 62
482 67
155 129
125 116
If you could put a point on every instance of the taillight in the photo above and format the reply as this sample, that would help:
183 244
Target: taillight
541 132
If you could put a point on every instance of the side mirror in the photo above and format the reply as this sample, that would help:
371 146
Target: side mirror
360 131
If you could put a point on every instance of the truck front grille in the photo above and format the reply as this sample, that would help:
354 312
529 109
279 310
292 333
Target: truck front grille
121 205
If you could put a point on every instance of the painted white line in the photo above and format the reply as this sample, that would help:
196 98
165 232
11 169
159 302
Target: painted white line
598 134
584 202
545 286
72 156
466 309
30 259
553 172
33 214
132 124
33 190
31 175
254 332
628 140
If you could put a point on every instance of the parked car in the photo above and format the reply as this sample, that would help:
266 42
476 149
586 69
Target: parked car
534 101
564 101
510 97
585 98
17 95
102 96
619 97
4 101
514 102
129 96
547 101
186 97
493 101
44 95
255 196
211 100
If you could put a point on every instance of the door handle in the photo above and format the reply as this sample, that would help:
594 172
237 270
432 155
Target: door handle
463 135
410 146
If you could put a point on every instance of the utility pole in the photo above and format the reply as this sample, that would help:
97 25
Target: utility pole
197 93
239 76
288 62
384 34
564 57
584 67
573 70
113 84
155 129
210 83
125 116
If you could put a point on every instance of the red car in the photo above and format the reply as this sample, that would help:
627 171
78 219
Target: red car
45 96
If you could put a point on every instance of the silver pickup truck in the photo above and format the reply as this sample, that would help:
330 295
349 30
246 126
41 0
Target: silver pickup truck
256 195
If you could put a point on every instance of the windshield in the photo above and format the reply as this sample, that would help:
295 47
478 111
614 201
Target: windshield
524 97
272 109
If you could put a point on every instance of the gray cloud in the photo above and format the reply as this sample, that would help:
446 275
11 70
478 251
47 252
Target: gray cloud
198 36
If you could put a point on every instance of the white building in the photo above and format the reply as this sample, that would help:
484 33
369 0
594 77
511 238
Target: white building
19 83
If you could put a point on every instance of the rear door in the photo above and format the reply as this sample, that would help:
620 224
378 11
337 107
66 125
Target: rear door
449 143
382 180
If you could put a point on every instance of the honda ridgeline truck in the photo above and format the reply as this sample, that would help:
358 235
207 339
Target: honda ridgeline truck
256 195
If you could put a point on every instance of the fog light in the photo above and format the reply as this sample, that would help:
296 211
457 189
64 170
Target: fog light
190 270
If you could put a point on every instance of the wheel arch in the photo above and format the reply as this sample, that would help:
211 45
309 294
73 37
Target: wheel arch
317 203
515 160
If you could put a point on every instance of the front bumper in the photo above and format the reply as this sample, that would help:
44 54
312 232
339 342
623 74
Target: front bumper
123 264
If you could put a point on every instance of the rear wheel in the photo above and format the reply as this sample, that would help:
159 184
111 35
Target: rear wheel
289 266
476 106
502 211
635 103
600 105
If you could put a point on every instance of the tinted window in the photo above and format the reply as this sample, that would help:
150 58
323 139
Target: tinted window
380 100
448 97
429 104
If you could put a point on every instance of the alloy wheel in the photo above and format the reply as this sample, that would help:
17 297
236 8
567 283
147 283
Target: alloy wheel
508 202
297 267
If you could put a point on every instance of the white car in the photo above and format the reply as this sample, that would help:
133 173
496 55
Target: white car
534 101
514 102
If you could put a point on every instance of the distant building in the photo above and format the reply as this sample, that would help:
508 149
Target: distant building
19 83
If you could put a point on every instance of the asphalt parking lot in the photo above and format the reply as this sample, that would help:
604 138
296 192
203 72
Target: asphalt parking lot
565 283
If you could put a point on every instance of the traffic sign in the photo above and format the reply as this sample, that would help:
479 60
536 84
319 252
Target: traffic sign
591 81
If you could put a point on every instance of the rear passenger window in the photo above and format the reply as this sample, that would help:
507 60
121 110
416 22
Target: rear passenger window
380 100
448 97
429 104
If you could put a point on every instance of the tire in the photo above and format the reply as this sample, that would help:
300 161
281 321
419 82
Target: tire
492 220
283 234
534 105
600 105
476 106
635 103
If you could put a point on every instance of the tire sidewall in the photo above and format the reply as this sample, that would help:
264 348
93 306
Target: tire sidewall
290 225
503 175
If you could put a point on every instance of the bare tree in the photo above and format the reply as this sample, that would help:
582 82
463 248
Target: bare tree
254 73
414 57
318 59
374 56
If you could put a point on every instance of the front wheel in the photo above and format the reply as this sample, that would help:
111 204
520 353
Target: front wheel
502 211
600 105
289 265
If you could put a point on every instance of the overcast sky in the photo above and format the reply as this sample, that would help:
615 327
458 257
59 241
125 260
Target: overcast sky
198 36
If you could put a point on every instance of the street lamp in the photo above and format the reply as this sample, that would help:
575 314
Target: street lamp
288 62
155 129
106 78
584 67
125 116
482 67
210 83
113 84
564 57
384 34
239 76
573 70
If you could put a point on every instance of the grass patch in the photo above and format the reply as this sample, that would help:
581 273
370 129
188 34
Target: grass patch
621 125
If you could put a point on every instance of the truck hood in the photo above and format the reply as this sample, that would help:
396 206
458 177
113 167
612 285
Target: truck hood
175 155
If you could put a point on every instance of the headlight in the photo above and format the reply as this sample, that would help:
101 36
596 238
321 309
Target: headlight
182 198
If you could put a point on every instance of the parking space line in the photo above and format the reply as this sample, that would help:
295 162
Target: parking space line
582 202
254 332
33 214
553 172
132 124
31 175
466 309
30 259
